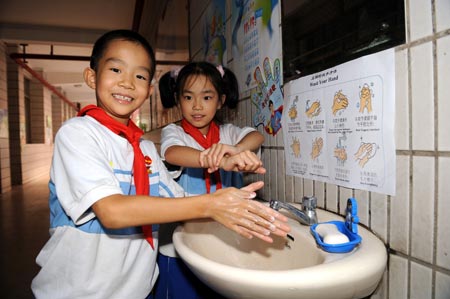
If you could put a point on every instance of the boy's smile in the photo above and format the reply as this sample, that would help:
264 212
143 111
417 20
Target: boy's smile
122 80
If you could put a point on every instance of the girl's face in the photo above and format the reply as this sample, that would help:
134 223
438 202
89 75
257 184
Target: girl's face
122 80
199 102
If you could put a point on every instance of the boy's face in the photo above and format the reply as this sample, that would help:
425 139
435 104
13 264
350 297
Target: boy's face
122 81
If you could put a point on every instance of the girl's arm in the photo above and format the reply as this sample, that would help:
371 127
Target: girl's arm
252 141
231 207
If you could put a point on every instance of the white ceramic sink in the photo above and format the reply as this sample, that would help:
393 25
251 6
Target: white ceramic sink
293 267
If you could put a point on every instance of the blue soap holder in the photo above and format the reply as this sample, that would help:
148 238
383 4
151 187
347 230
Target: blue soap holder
349 228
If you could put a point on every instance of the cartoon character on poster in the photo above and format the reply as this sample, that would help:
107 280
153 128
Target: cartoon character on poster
269 97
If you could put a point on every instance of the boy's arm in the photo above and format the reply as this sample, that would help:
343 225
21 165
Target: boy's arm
231 207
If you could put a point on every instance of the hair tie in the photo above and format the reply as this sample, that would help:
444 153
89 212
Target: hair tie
221 70
174 73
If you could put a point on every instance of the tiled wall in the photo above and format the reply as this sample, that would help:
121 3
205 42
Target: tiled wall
414 224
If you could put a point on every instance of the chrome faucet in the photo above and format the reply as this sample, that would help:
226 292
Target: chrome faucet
307 215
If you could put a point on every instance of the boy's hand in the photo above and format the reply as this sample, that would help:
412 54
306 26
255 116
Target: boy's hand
232 208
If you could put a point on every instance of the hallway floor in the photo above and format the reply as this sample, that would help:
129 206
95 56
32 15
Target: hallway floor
24 223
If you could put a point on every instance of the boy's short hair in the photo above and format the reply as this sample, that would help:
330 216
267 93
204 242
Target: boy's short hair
121 34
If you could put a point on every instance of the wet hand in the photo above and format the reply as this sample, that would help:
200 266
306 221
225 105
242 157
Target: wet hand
233 208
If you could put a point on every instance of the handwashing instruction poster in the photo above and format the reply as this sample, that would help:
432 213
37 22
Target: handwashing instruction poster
338 124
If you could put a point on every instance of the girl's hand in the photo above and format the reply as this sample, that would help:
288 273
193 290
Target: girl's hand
232 208
246 161
211 157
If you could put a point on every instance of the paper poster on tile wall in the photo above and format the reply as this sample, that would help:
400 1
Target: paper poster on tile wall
339 124
257 51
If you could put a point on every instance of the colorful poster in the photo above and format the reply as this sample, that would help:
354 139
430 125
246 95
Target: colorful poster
339 124
257 53
214 42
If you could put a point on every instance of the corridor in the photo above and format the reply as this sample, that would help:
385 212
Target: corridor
24 226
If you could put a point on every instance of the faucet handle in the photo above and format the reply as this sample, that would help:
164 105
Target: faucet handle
309 203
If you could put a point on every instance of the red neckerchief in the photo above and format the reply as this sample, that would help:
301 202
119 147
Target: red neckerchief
133 134
212 137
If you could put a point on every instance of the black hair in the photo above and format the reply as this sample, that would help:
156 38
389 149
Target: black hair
171 86
103 42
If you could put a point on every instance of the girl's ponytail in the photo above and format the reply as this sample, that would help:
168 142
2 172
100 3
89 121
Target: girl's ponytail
167 90
230 88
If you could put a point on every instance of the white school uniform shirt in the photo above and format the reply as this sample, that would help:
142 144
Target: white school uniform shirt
191 179
83 259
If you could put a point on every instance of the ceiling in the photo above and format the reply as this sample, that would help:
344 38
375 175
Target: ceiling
54 28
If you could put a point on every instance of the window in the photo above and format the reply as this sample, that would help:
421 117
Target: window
318 34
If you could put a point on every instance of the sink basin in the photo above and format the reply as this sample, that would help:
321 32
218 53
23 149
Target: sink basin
293 267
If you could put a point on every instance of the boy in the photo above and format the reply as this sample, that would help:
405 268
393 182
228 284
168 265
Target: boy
105 187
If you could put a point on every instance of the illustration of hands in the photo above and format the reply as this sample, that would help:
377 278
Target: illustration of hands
340 153
271 94
271 86
365 99
316 148
295 147
313 109
292 113
366 151
340 102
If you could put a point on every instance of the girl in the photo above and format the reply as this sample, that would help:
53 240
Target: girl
211 156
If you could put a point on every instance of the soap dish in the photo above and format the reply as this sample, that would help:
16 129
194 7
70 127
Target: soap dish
349 228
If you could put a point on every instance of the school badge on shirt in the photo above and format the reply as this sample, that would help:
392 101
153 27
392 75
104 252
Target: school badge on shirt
148 163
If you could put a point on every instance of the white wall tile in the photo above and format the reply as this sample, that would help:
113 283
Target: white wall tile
443 215
273 174
344 195
442 288
378 209
420 19
423 208
443 69
401 100
399 208
362 197
420 281
332 197
266 161
298 189
319 192
308 188
398 277
289 185
422 97
281 175
442 16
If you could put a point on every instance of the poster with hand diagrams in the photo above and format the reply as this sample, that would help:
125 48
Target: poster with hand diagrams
339 124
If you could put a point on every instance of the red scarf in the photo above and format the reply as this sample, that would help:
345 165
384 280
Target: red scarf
133 134
212 137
